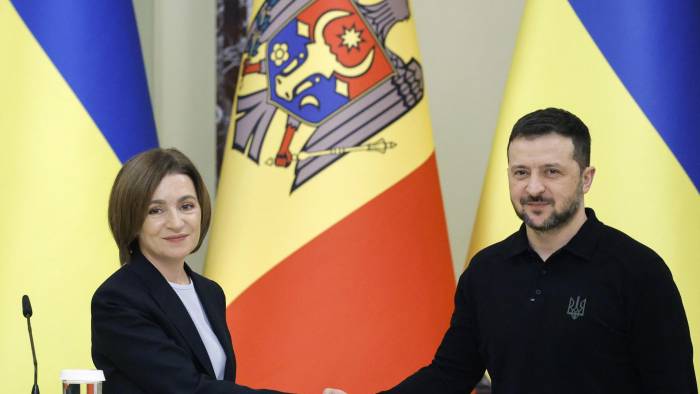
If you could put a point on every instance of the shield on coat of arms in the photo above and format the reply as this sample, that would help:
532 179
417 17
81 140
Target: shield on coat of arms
323 59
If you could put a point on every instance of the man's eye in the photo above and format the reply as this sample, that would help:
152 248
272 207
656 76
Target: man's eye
552 171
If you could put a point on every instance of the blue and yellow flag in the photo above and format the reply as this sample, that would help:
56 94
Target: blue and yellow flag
631 70
74 105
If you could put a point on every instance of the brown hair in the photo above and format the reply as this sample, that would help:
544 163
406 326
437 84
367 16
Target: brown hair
133 188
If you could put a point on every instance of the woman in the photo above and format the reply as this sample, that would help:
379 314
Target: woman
157 326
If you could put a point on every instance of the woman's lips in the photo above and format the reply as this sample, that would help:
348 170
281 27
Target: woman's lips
175 238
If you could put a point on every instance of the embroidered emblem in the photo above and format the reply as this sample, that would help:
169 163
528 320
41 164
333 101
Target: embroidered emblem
576 307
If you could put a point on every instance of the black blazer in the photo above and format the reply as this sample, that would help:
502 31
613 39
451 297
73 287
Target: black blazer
145 341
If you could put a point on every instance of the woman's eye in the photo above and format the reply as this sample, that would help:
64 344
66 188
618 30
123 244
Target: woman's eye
154 211
188 206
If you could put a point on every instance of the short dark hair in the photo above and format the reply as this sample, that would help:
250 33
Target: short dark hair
133 188
558 121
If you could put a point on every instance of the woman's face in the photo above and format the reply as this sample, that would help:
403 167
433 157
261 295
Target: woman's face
171 229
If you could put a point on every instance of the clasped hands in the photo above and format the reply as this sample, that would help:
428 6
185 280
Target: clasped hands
333 391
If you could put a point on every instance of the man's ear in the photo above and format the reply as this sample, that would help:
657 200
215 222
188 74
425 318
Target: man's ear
587 177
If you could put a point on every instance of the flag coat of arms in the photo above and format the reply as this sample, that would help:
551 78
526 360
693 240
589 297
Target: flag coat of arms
329 236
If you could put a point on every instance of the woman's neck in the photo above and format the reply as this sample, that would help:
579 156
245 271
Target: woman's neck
172 271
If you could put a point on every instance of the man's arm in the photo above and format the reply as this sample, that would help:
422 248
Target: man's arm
457 366
660 337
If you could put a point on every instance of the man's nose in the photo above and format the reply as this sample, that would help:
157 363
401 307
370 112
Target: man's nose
535 187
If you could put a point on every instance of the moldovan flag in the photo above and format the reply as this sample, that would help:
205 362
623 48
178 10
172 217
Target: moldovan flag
74 105
329 235
631 70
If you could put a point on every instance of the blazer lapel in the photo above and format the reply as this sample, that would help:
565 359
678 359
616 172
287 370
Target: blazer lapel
173 308
216 319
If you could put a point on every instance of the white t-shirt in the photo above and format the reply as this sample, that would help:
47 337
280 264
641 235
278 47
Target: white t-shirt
189 297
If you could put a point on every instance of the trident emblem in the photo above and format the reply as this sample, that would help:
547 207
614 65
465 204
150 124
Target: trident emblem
576 307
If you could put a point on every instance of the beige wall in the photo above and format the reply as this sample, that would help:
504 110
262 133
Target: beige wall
466 48
177 38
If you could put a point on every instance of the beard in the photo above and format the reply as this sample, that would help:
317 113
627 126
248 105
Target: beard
558 217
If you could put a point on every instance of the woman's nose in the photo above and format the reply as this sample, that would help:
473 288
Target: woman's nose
174 219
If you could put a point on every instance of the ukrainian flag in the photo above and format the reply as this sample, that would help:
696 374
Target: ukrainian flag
631 70
74 105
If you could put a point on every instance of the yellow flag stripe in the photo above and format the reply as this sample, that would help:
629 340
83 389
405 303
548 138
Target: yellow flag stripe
56 170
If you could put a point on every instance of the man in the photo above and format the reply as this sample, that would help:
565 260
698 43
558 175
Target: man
566 304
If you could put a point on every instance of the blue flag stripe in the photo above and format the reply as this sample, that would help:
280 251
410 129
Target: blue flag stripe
96 48
654 48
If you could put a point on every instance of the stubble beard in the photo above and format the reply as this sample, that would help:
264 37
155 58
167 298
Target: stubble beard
557 218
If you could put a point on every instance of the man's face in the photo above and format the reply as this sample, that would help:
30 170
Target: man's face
546 183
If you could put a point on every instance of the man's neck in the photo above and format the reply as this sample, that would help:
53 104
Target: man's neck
545 243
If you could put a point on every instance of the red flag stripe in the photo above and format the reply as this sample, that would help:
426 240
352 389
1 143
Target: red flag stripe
361 306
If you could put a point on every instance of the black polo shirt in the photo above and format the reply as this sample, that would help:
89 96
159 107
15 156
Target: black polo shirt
602 315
